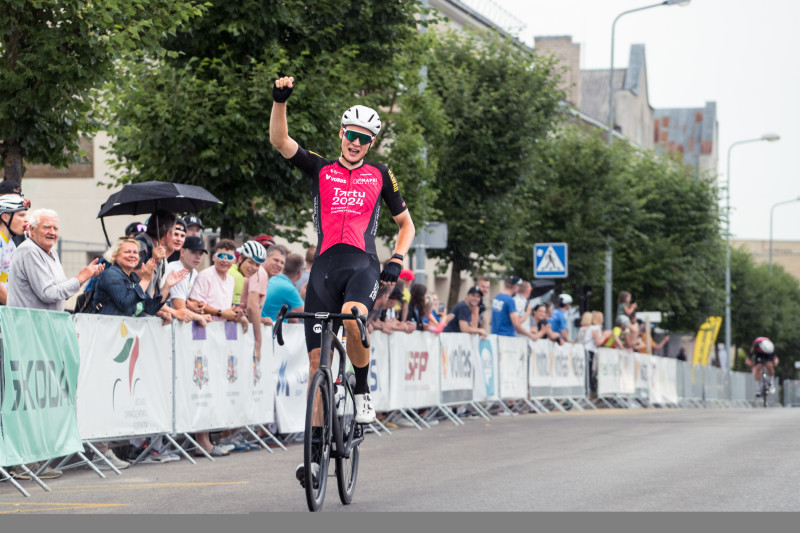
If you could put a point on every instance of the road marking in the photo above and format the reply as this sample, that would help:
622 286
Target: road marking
42 507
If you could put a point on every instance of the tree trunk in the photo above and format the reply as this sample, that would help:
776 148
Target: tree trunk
11 152
455 284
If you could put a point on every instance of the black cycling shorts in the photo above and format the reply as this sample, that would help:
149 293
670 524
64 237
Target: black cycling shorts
343 273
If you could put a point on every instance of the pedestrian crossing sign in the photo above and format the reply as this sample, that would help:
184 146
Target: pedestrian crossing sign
550 260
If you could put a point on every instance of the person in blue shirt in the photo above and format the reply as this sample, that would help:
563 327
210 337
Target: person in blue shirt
558 322
281 289
505 319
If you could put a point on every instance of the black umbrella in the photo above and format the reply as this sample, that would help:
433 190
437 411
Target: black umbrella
148 196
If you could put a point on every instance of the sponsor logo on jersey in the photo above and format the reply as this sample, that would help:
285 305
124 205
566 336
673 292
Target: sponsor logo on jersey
371 180
334 178
395 188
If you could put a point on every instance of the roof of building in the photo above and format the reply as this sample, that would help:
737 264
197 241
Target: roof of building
689 131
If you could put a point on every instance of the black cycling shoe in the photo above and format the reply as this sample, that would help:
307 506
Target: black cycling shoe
300 474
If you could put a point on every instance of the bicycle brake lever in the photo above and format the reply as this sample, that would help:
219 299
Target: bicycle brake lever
361 320
278 329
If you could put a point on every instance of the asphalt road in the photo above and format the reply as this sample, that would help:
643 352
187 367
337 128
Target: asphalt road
609 460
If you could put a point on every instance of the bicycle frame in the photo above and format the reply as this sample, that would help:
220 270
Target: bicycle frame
329 342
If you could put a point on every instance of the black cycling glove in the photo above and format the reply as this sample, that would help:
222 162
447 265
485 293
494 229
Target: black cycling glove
390 272
281 95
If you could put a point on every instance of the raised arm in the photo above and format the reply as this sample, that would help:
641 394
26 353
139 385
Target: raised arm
278 127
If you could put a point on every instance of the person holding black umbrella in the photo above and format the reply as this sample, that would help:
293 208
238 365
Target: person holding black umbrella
156 242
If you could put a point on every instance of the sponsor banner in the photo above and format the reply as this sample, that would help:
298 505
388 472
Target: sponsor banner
485 363
643 369
40 360
379 370
457 376
125 378
261 410
540 368
706 337
568 363
213 376
627 376
513 366
665 380
608 371
414 370
290 372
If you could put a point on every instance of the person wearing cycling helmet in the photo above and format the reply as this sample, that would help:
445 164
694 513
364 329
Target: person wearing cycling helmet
763 352
13 208
346 198
248 258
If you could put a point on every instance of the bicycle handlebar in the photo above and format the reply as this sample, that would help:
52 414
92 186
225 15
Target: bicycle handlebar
284 313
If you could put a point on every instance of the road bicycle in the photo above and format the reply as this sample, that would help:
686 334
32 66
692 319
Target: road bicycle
764 388
330 427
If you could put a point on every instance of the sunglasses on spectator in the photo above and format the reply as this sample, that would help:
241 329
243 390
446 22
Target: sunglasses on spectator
222 256
363 138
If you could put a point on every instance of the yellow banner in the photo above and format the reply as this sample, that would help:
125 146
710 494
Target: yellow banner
706 337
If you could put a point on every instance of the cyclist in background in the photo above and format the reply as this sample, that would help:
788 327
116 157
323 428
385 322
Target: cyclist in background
346 196
763 352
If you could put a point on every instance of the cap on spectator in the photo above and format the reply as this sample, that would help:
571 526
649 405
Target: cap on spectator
564 299
193 220
182 223
406 274
397 294
195 244
10 187
514 280
623 320
265 240
474 290
135 228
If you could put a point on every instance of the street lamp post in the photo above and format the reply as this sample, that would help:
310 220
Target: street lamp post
769 137
772 209
609 252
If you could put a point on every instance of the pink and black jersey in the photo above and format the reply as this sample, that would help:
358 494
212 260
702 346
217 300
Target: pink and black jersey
347 202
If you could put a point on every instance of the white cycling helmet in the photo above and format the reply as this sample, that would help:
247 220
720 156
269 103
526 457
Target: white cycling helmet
254 250
360 115
564 299
765 346
12 203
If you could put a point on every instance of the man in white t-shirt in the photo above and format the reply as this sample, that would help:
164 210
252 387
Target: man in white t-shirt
190 258
12 223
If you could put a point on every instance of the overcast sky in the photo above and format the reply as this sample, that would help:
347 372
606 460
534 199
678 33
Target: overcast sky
744 55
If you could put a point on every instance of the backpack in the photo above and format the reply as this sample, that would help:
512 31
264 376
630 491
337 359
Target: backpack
83 303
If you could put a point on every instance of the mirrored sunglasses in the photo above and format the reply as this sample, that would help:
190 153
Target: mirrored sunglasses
225 257
363 138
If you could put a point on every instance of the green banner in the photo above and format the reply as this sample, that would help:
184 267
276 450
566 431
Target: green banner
39 368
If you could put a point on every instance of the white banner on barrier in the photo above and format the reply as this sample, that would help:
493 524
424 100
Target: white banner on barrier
627 377
262 409
290 370
213 376
608 371
124 382
540 365
568 363
457 370
643 370
668 379
379 370
513 363
485 363
414 370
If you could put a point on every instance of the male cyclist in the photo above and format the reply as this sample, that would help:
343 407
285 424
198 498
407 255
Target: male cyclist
346 195
763 352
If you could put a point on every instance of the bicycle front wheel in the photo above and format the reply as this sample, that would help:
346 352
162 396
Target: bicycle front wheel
317 441
347 468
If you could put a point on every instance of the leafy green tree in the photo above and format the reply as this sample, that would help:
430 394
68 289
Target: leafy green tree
499 101
660 221
202 116
53 54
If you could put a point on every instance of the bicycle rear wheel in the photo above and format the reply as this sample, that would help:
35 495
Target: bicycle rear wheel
764 388
347 468
317 441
